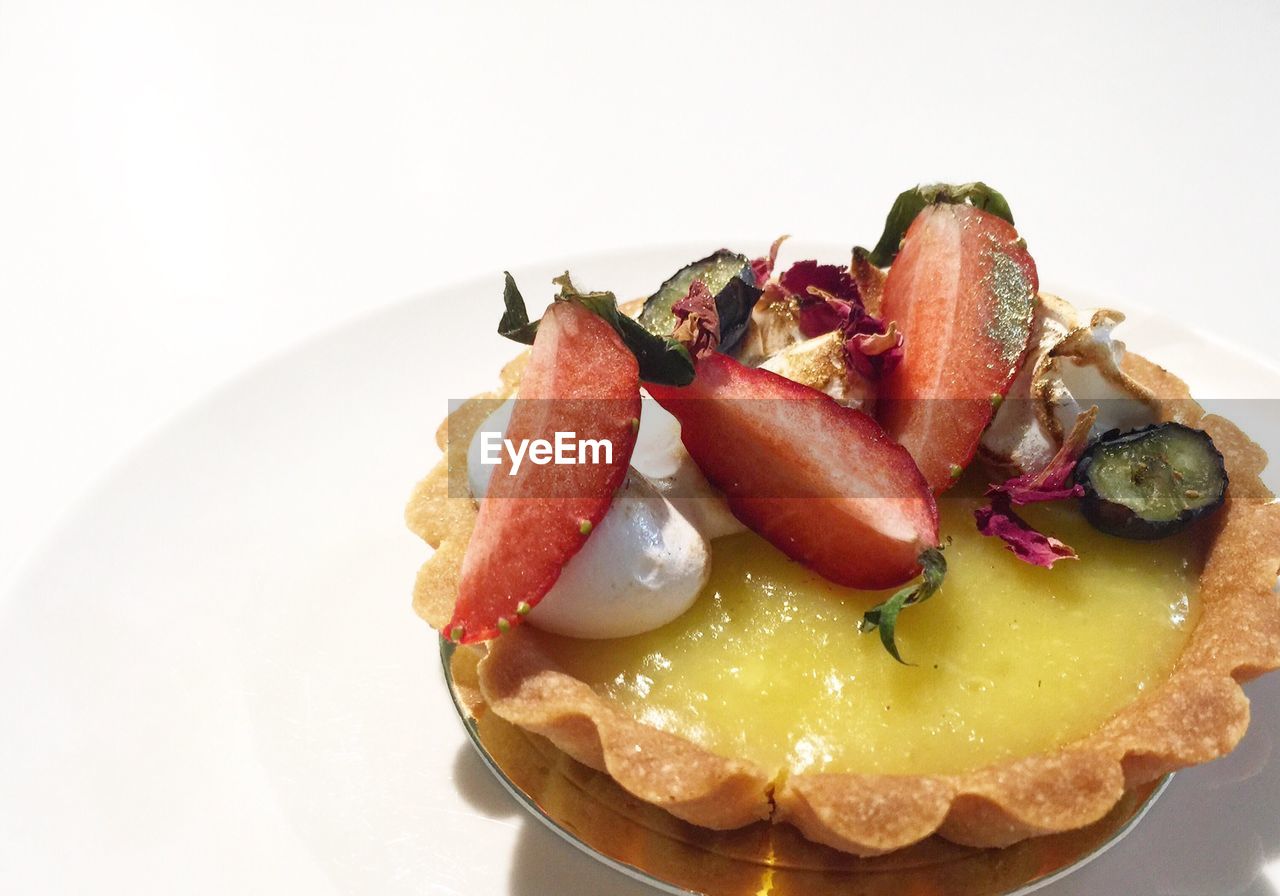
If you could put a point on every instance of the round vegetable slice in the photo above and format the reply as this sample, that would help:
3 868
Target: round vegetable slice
1151 482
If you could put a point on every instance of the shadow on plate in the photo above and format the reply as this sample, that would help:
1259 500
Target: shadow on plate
543 863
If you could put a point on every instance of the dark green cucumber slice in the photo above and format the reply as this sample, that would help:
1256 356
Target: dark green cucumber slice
1151 482
728 277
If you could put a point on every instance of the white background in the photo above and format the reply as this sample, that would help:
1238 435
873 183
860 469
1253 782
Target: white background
186 189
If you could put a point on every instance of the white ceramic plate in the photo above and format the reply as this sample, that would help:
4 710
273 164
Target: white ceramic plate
211 679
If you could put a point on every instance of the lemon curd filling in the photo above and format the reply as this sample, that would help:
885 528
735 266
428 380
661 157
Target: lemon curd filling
1009 659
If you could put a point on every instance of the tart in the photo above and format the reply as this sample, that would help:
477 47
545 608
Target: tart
1037 697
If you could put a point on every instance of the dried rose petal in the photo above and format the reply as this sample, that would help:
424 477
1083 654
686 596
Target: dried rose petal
872 348
1053 483
762 268
699 321
1028 545
827 298
826 293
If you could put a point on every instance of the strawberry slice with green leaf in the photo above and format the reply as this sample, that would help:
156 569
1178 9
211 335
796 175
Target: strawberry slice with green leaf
821 482
580 379
961 291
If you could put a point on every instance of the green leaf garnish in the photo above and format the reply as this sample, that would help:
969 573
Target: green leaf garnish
911 202
515 320
661 359
885 616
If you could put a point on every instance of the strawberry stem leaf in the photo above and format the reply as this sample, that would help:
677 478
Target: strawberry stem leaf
514 323
884 616
911 202
662 360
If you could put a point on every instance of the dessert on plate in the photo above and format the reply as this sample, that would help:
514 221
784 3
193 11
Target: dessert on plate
880 550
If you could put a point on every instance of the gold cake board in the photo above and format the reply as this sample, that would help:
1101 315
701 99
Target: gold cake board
588 809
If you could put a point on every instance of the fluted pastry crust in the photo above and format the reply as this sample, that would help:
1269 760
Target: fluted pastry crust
1199 713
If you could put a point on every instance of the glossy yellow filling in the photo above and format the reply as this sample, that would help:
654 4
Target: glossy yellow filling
1009 659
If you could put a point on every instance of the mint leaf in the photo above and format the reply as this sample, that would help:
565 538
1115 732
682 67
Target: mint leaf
911 202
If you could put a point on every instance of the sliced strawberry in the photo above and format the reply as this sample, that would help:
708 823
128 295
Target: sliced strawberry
961 291
821 482
580 379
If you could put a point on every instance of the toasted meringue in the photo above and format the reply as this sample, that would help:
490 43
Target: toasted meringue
1072 364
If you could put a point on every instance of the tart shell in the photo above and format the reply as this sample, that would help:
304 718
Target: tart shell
1198 714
